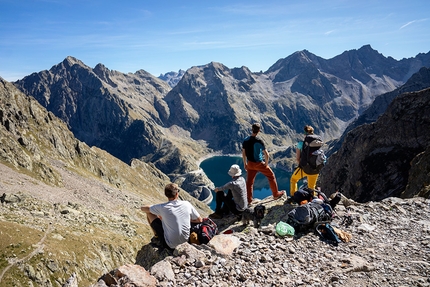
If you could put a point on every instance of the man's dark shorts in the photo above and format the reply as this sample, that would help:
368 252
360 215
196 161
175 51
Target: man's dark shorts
157 226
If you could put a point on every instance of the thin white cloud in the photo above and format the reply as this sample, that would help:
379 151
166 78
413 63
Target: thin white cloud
407 24
412 22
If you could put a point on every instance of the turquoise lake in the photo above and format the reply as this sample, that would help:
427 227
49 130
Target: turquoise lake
216 169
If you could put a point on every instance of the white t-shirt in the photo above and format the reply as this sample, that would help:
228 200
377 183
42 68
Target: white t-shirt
176 217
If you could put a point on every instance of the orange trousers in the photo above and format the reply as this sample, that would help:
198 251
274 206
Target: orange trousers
252 169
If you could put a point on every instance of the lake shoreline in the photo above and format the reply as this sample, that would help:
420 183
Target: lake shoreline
214 154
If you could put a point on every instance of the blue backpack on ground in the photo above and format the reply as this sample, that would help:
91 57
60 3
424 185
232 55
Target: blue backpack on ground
327 233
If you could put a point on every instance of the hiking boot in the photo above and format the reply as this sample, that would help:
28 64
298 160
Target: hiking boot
156 241
279 195
225 211
215 216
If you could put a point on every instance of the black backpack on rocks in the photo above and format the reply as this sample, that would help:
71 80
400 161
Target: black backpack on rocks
302 194
308 215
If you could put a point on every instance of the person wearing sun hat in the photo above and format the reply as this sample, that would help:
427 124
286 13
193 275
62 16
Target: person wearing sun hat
235 201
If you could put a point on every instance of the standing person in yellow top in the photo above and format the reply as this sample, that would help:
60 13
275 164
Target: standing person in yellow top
256 159
307 158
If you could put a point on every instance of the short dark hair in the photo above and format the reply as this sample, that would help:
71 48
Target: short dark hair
171 190
256 128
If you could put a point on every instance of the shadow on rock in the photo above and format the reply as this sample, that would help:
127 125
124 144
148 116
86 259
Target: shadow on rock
152 253
276 213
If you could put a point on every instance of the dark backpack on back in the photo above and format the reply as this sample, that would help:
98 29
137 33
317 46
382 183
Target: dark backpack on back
312 157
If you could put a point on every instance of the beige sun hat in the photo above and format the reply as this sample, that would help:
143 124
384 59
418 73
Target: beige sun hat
235 170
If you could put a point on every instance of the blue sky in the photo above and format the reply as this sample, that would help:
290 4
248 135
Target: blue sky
163 36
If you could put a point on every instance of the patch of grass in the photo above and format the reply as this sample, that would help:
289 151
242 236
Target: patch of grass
16 242
67 249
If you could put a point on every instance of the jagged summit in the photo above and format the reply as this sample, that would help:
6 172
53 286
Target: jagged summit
172 78
295 64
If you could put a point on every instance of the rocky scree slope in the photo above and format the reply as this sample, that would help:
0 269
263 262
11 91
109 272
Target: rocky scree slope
65 207
389 246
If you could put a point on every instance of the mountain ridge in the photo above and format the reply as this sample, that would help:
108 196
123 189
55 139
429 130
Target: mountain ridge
211 108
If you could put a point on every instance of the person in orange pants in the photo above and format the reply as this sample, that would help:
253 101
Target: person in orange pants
256 159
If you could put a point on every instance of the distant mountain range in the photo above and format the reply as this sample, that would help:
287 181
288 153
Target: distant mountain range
212 106
172 78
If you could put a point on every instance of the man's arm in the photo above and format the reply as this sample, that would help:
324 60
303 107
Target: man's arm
151 216
224 187
245 161
266 157
197 220
145 208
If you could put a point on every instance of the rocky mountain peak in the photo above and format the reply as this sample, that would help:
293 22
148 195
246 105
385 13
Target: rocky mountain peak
243 74
105 75
68 63
287 68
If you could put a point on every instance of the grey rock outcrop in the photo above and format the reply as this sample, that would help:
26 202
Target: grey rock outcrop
380 159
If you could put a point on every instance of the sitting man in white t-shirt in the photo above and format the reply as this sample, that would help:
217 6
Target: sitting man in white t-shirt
171 221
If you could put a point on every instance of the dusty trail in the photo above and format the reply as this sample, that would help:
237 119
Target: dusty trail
39 248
